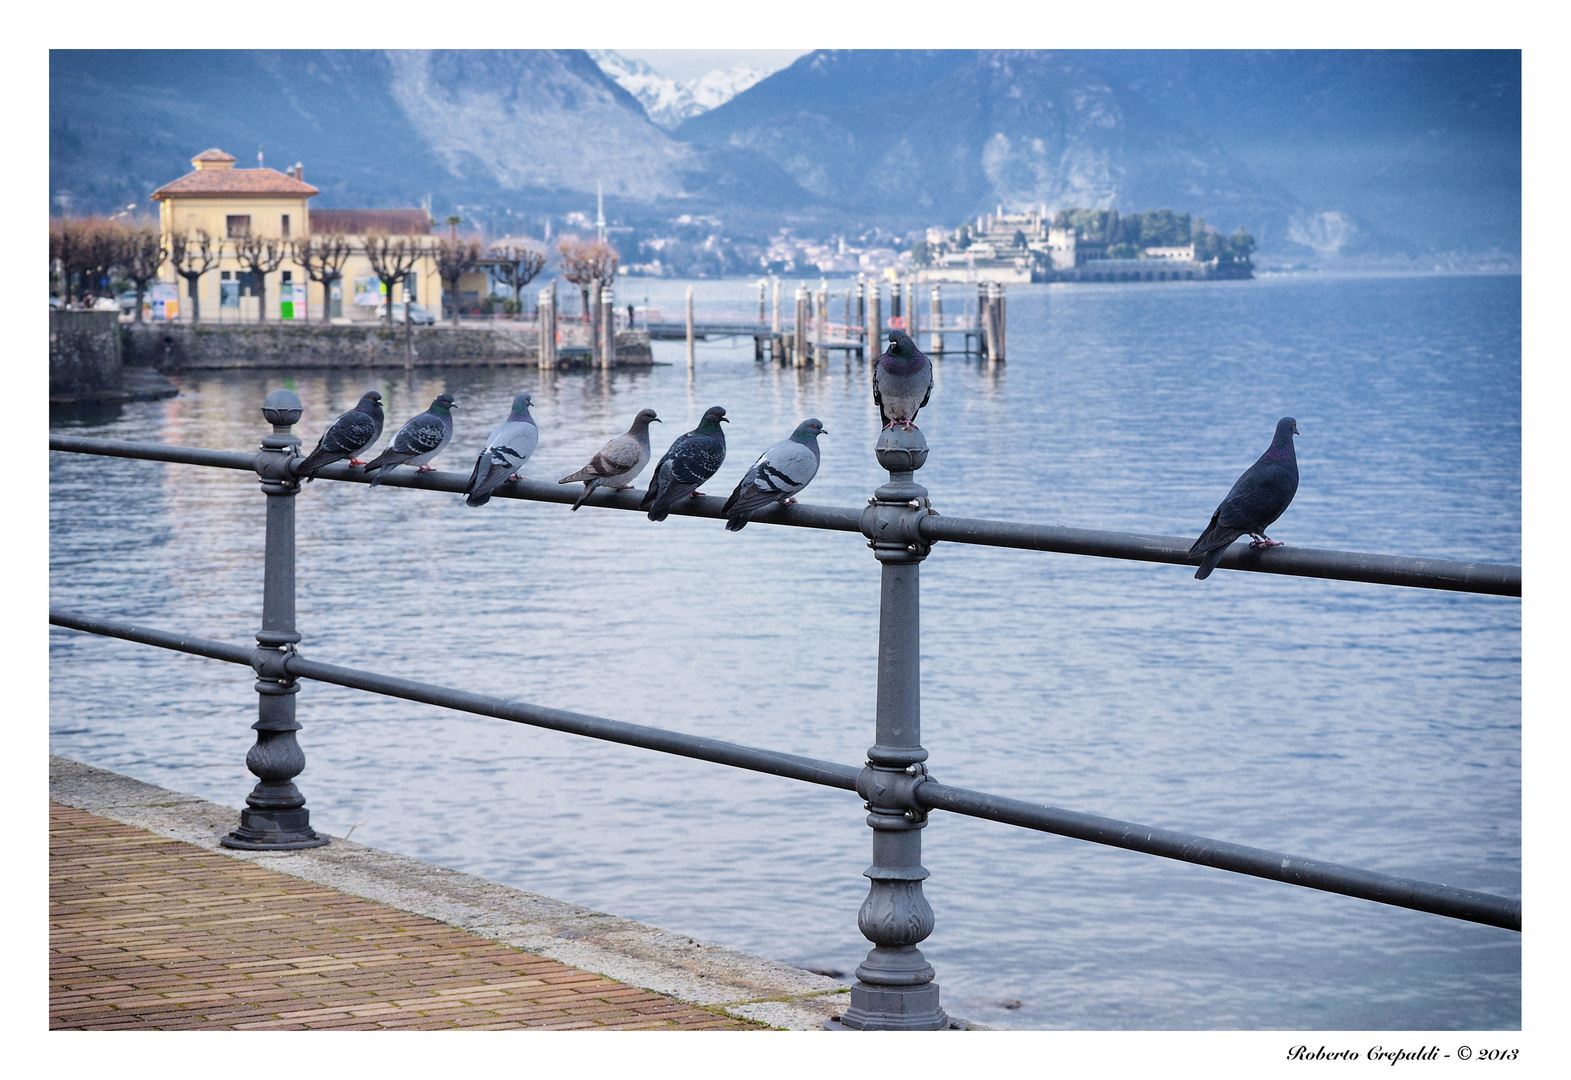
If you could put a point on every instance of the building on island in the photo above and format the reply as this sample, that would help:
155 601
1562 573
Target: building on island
1027 247
268 209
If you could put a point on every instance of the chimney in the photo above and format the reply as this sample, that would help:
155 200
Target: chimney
299 171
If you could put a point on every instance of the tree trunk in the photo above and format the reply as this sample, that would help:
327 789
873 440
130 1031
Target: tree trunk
196 299
261 297
583 295
139 287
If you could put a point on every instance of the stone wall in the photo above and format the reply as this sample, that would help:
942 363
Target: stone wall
183 347
84 352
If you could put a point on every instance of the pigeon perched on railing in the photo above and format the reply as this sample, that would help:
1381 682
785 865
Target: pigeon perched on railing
778 474
1256 500
617 464
347 436
902 381
692 459
418 441
510 444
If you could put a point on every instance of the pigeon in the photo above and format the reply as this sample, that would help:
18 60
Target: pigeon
778 474
692 459
902 381
418 441
619 461
1254 502
347 436
511 443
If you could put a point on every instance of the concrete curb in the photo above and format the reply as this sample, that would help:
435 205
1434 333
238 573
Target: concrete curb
675 965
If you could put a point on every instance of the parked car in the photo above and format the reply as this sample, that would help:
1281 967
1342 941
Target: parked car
417 315
127 302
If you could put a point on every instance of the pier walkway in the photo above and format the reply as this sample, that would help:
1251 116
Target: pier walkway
150 931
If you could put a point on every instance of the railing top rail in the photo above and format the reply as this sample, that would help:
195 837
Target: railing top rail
1500 911
1497 579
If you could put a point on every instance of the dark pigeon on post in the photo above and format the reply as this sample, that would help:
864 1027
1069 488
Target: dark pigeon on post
1255 501
778 474
418 441
902 381
692 459
510 444
347 436
617 464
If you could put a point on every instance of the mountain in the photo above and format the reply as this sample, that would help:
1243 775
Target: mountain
667 101
1319 154
481 128
942 136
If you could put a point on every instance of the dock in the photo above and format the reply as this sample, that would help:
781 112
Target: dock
153 925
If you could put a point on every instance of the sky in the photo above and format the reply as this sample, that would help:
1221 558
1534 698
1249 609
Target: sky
685 64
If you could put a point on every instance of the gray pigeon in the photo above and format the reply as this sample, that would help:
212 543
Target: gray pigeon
902 381
692 459
1254 502
418 441
619 461
511 443
347 436
778 474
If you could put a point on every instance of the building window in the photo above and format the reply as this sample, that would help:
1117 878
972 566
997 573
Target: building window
284 226
237 226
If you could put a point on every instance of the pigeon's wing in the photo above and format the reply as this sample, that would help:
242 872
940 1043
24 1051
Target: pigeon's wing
1258 498
424 434
515 440
878 395
345 437
615 458
698 461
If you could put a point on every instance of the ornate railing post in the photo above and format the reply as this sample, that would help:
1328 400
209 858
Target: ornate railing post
275 818
895 989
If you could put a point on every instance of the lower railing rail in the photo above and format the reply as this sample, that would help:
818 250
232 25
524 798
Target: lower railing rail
928 794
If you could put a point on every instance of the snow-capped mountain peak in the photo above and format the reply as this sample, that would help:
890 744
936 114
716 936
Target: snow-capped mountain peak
667 101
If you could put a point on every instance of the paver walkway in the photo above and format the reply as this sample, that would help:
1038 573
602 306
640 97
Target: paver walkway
147 932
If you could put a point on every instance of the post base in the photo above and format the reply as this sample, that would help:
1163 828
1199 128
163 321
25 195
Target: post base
893 1008
276 830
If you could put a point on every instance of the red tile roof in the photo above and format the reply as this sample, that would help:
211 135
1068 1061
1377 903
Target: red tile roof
214 154
213 183
360 222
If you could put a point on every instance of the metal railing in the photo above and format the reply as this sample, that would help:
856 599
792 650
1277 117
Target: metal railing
895 987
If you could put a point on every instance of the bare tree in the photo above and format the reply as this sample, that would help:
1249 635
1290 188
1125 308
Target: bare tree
96 246
192 256
392 257
263 255
145 253
587 262
455 258
322 258
516 266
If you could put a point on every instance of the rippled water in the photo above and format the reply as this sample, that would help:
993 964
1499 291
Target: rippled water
1362 724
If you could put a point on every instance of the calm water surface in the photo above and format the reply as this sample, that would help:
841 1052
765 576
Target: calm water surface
1362 724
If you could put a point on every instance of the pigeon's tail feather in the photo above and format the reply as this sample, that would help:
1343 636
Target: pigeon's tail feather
315 461
1210 562
1211 545
736 523
589 485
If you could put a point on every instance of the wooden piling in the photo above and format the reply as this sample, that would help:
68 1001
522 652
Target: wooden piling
799 331
690 325
546 317
936 340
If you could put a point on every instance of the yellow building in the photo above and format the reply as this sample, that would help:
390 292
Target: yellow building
231 204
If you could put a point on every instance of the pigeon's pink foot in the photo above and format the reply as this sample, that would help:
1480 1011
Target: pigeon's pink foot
890 424
426 468
356 461
788 502
1264 541
910 426
695 494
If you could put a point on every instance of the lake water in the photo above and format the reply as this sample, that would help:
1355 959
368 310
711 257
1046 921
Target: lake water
1362 724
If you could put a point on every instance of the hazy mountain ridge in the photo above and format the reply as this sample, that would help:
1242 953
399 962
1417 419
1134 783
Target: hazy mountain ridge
1317 153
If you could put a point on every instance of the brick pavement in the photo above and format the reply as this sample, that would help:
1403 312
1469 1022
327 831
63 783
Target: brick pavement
147 932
